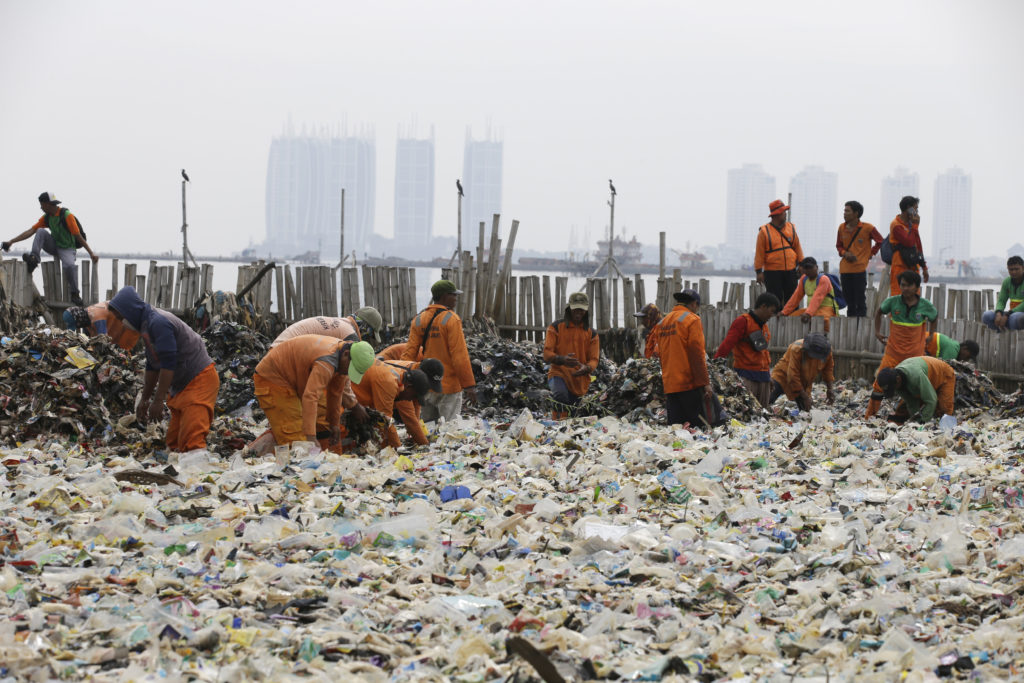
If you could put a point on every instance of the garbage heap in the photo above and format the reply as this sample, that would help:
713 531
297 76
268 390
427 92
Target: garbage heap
53 381
236 350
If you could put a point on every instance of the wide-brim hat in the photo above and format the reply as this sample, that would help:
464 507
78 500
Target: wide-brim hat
777 207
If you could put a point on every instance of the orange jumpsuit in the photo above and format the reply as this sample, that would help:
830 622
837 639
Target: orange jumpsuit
446 343
796 372
562 338
380 388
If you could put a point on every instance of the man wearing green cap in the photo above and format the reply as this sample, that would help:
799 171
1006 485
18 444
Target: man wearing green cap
363 325
437 332
294 375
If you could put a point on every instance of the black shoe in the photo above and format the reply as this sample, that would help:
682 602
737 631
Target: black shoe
76 299
31 260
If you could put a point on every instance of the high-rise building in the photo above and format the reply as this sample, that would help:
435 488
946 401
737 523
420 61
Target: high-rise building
900 184
749 191
481 182
951 231
414 192
305 176
814 212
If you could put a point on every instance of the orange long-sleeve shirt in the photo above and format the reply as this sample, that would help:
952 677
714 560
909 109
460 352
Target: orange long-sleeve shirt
795 372
777 249
303 365
903 235
822 290
381 391
684 364
862 240
564 337
446 343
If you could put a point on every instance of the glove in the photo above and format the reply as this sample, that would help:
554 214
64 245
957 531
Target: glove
6 246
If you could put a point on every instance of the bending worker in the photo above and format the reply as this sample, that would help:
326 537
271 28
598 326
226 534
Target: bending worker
363 325
817 287
299 374
947 348
390 386
926 385
804 360
572 347
98 319
178 370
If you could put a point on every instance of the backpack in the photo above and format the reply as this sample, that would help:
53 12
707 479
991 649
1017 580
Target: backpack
64 222
837 290
886 250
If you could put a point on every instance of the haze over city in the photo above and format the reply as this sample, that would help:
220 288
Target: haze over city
105 102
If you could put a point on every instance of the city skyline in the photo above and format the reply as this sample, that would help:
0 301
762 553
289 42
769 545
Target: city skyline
414 191
951 231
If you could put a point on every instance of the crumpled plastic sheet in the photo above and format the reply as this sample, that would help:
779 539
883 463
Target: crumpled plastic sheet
236 350
42 391
615 549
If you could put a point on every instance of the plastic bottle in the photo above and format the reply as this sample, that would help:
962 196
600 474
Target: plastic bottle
947 424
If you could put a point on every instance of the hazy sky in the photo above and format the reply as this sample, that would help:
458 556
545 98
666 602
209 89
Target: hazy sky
104 103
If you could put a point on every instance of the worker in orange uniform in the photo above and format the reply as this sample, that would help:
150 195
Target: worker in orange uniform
817 287
395 351
907 252
856 242
98 319
747 341
363 325
804 360
777 253
649 317
926 385
684 363
436 332
293 376
388 385
572 348
908 314
178 370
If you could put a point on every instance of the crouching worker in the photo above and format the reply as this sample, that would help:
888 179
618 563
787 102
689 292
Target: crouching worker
804 360
98 319
178 371
390 386
946 348
572 348
363 325
817 287
925 385
303 382
747 341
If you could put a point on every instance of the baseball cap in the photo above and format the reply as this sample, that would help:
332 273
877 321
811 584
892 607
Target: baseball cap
687 295
360 360
817 346
646 310
49 198
442 287
419 383
372 317
434 371
579 300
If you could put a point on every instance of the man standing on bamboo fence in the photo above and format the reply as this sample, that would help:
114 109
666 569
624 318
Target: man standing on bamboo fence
821 295
747 341
437 332
905 240
856 242
573 348
777 253
908 314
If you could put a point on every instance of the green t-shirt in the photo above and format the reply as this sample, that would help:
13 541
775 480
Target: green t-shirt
901 314
946 348
62 237
1012 293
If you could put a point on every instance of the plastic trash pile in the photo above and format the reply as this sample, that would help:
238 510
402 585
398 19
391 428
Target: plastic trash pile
53 381
598 548
236 350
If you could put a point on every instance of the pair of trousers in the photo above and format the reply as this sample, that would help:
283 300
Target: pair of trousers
192 411
854 289
560 393
43 241
760 390
682 407
781 283
1016 321
435 406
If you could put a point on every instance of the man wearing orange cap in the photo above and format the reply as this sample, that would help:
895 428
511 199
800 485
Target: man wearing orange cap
777 253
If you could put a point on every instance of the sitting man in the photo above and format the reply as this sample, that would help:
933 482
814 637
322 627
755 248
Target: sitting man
947 348
821 300
804 360
1012 291
926 385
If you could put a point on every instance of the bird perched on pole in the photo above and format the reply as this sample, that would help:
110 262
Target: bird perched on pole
185 176
458 184
611 186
